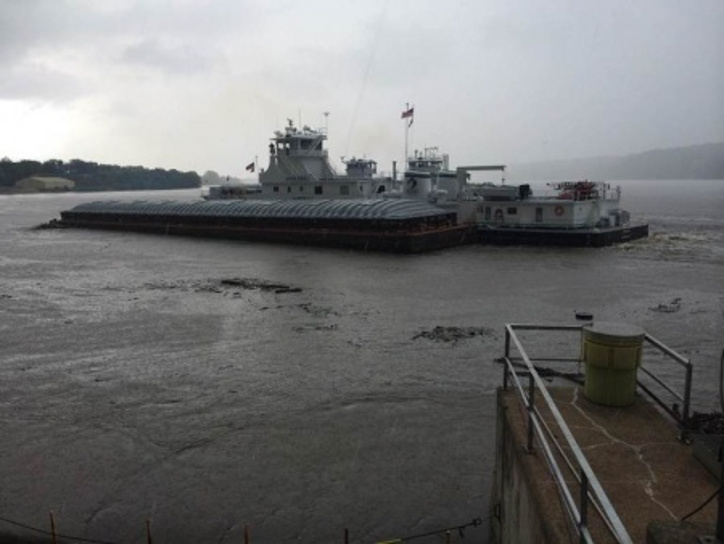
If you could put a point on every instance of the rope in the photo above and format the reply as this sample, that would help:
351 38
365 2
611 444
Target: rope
459 528
57 535
707 501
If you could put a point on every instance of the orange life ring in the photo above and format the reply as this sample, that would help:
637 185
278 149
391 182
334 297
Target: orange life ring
559 210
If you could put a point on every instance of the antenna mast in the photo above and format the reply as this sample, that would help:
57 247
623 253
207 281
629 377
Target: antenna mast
409 113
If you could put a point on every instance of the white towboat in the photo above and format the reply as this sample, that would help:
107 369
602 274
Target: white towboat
299 168
572 205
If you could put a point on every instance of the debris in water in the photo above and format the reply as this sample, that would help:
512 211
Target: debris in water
671 307
252 283
225 284
452 334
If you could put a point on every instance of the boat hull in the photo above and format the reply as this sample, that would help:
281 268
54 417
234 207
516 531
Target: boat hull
599 237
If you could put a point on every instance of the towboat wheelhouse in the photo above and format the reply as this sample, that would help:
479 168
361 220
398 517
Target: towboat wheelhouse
428 177
299 168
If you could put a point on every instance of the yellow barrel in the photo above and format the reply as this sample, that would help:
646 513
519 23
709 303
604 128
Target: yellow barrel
612 355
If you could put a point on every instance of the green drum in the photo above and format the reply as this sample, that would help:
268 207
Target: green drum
612 355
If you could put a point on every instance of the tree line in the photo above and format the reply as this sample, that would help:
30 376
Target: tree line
93 176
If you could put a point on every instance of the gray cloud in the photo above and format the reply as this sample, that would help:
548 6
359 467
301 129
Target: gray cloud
178 59
36 83
498 80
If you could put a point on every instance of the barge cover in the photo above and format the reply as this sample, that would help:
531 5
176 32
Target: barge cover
398 225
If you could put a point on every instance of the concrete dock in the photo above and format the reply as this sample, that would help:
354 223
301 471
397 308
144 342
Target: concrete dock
648 474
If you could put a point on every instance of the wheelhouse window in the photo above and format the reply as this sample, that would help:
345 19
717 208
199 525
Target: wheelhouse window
539 215
276 188
318 190
512 211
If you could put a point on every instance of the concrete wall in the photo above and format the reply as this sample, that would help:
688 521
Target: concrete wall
523 495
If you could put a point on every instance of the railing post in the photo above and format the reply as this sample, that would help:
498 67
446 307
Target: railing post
54 537
507 342
531 407
687 400
506 357
583 523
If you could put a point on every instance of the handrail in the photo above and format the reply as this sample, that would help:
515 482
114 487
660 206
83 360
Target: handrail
588 477
590 489
683 417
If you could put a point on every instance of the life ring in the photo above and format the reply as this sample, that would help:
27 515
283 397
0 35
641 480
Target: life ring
559 210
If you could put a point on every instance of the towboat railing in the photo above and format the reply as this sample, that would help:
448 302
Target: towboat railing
589 490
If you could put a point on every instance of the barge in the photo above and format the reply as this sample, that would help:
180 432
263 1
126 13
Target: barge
401 226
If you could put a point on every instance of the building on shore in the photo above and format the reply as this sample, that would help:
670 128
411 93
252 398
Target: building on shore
44 184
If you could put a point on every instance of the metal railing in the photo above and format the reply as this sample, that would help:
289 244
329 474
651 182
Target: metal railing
589 489
681 416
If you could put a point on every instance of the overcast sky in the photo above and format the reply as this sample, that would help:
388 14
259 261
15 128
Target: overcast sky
201 85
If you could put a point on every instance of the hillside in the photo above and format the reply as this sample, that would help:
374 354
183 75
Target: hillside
695 162
93 176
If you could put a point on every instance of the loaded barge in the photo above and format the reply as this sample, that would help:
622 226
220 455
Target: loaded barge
401 226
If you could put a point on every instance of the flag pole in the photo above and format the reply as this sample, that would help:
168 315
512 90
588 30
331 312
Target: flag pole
407 131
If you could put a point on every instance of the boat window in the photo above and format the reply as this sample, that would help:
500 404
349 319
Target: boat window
276 188
344 189
289 189
512 211
318 190
539 215
488 213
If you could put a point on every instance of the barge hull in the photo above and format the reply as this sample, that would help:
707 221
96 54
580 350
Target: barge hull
394 241
562 237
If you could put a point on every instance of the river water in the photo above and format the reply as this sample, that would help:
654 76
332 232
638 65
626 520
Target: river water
140 384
